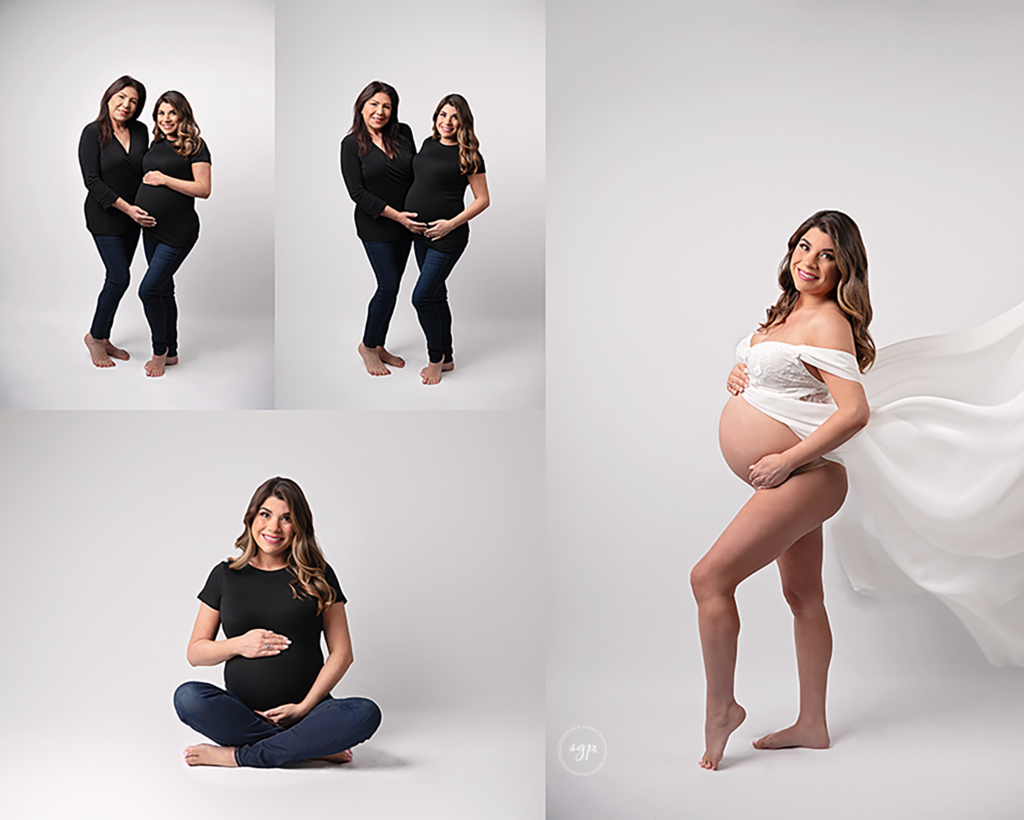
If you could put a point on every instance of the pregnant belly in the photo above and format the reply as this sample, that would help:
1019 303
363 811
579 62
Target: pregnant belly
745 435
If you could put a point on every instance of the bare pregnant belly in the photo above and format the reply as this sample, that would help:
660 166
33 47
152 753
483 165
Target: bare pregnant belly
745 435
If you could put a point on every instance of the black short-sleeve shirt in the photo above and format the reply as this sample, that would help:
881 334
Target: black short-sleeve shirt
109 172
250 598
439 192
177 223
375 180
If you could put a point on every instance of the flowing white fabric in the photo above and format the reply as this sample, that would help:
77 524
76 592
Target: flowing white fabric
936 477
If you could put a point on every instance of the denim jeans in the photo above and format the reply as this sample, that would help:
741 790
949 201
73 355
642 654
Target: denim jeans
157 294
430 298
116 253
332 726
388 261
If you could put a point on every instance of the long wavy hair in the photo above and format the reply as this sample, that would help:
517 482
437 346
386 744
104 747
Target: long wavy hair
306 562
389 133
469 145
851 294
106 126
187 141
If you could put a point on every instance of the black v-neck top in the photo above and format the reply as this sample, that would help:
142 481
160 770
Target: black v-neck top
177 223
250 598
374 180
439 192
110 172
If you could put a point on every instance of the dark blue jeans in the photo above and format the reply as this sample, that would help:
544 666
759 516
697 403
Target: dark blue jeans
157 294
116 253
388 261
430 298
332 726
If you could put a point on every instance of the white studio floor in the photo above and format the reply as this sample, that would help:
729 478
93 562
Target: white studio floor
225 365
416 766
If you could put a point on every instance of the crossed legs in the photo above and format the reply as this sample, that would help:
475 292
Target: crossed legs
785 519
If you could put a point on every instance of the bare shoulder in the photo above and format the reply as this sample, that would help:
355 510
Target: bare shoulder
830 328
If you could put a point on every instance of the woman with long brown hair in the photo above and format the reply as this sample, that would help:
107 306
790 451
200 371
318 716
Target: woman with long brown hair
376 164
110 153
177 172
448 162
796 398
273 601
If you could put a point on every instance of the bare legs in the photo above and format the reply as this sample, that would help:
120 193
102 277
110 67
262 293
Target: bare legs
770 523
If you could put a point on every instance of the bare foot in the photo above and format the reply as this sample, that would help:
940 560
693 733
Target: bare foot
807 736
203 754
432 372
101 350
717 729
373 360
155 366
390 358
171 360
340 757
448 366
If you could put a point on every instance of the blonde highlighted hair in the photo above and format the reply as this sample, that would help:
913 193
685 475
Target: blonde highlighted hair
187 141
851 294
306 561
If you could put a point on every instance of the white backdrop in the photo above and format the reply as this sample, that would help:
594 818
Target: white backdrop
704 134
56 60
492 54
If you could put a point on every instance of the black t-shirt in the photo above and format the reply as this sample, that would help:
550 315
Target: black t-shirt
250 598
177 223
439 192
375 180
110 172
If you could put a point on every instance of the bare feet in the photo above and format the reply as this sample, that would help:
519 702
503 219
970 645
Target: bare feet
155 366
377 360
171 360
101 351
717 729
340 757
431 374
807 736
203 754
448 366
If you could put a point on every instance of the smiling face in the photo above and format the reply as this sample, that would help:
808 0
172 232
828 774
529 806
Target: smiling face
122 105
167 120
377 111
447 124
813 264
272 531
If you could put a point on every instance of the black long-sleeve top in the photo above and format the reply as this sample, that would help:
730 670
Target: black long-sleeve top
177 223
439 192
374 180
110 172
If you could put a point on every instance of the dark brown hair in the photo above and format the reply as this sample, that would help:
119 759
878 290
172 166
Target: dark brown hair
187 141
306 561
469 145
851 294
106 126
389 133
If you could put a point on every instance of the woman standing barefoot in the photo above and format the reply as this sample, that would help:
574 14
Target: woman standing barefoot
110 154
274 601
803 363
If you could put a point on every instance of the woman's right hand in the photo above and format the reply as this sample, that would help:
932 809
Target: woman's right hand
405 219
738 379
140 216
261 643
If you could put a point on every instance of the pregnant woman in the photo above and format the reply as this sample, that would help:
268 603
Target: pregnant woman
273 602
449 161
177 171
110 154
804 361
376 164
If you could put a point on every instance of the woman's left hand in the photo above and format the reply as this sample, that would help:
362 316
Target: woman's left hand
284 715
770 471
154 178
435 230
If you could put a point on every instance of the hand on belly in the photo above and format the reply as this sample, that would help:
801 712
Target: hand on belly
747 436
